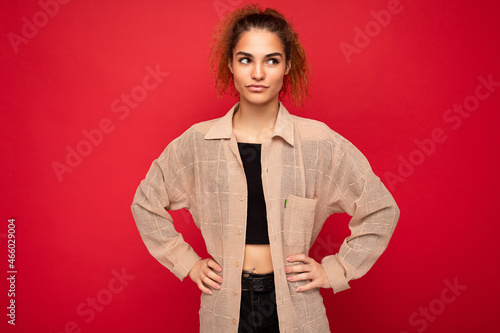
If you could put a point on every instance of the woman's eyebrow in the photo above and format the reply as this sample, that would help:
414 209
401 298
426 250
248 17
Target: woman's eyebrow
275 54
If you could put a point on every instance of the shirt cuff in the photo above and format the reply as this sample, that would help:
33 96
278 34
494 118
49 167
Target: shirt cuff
335 273
182 268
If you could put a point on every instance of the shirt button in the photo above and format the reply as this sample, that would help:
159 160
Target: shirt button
236 264
234 321
235 292
239 232
242 198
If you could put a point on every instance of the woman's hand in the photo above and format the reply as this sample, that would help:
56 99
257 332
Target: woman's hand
202 273
312 270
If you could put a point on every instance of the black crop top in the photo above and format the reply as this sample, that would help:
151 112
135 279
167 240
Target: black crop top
257 232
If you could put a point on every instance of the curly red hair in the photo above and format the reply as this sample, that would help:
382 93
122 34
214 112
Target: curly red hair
227 34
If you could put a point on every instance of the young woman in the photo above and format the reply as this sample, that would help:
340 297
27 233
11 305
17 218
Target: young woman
259 183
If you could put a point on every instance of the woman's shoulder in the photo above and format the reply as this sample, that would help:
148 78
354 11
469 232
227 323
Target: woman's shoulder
312 129
330 143
184 145
196 131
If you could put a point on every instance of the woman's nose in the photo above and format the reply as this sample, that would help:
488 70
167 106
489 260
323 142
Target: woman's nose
258 72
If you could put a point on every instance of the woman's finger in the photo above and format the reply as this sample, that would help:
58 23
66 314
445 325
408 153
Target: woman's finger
299 277
208 281
213 275
203 288
213 264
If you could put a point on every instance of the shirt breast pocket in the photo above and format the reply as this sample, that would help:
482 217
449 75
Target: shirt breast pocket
298 223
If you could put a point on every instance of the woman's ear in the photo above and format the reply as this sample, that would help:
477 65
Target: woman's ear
288 65
230 65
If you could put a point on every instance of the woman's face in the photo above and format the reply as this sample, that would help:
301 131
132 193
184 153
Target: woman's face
259 60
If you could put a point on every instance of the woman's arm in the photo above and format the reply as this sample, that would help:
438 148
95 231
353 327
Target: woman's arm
165 187
356 190
353 188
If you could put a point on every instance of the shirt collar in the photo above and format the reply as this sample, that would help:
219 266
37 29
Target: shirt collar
223 127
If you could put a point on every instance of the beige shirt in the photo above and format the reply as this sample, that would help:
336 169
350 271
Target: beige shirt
317 172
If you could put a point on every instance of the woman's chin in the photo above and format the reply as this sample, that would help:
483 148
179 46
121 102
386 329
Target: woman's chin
257 99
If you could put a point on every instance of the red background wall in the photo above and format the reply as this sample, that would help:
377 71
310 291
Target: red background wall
67 75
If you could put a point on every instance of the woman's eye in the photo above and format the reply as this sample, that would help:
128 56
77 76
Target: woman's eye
272 61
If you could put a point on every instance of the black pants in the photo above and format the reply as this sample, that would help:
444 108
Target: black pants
258 313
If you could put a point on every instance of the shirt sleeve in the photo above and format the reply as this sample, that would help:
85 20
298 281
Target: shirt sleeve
356 190
165 187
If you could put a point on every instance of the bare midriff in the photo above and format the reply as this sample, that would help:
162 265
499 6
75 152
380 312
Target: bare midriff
258 258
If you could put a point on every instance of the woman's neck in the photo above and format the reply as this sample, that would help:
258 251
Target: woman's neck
255 123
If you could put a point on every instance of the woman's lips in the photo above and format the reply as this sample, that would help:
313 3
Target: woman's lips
257 88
